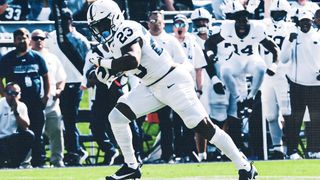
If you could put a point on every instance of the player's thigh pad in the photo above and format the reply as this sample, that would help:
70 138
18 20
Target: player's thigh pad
177 91
117 117
141 101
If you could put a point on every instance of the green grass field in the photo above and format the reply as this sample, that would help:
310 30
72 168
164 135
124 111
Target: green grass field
302 169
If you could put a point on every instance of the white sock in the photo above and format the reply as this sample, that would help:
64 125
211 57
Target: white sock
275 132
123 135
224 142
202 156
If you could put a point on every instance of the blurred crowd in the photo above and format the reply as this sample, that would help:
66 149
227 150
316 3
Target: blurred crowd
43 77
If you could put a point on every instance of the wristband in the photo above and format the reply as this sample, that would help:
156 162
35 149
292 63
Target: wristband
273 67
106 63
209 53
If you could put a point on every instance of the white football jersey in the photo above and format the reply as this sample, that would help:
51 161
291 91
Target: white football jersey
278 32
249 44
149 70
172 45
193 51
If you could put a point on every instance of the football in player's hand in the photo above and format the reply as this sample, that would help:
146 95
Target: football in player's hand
102 74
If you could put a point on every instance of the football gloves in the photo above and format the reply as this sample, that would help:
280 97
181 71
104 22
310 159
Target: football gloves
217 85
96 60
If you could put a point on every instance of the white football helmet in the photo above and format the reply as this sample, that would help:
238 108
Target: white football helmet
280 5
279 10
104 18
231 6
200 13
201 19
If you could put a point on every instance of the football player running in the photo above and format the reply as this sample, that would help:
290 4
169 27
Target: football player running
162 83
275 96
243 36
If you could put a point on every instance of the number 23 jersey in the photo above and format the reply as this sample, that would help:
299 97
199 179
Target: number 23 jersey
155 61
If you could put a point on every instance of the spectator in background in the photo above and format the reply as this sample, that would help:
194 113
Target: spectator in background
156 28
14 10
275 89
53 123
71 49
201 20
28 69
184 137
302 50
15 137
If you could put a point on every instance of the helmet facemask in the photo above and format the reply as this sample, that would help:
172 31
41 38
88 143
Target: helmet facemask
101 29
201 26
104 18
278 15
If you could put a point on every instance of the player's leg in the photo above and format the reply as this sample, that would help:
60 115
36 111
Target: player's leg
136 103
257 68
201 142
270 110
182 99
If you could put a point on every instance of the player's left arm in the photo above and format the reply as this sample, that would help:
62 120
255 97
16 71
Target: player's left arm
271 46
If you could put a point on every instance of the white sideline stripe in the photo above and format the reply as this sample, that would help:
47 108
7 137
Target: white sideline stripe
236 177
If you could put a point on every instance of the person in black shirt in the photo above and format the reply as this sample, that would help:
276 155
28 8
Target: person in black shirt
28 69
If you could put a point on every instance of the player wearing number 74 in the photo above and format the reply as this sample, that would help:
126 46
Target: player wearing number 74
162 83
244 37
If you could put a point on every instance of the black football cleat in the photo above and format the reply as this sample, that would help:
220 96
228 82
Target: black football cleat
248 175
126 172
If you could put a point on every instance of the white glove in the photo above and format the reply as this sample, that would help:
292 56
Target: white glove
105 76
96 60
102 74
217 85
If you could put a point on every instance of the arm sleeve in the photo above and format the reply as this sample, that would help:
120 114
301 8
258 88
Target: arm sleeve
271 46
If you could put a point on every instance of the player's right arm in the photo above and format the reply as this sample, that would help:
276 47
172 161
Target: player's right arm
285 53
130 59
211 49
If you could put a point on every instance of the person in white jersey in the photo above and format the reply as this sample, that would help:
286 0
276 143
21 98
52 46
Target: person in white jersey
275 89
170 44
162 83
201 20
243 36
195 63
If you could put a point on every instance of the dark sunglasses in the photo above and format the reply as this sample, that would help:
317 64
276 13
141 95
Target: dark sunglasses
179 25
36 38
154 21
13 93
